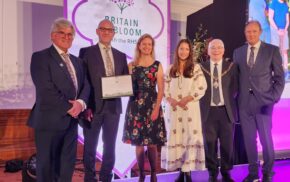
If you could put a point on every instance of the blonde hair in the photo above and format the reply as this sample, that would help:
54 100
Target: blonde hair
137 50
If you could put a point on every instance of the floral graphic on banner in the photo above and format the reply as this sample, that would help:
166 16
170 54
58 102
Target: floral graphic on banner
123 4
131 19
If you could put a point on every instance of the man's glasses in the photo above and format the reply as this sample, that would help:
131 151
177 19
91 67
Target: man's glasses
63 34
216 48
110 30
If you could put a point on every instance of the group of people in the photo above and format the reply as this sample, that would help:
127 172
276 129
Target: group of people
200 110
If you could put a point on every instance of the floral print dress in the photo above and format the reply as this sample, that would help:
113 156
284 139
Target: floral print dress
139 129
185 146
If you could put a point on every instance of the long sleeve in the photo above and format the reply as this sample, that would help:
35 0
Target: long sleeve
167 81
278 76
199 85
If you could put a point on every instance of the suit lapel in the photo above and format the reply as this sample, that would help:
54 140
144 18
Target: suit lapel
77 70
115 58
206 66
60 63
244 55
224 78
99 61
259 55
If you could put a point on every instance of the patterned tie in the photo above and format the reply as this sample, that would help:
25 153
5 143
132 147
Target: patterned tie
108 62
70 69
215 90
251 58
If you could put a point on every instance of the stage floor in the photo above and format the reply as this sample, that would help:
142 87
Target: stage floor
281 168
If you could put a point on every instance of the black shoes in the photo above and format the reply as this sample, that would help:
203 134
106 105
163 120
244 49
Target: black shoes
267 177
188 177
252 178
212 178
180 177
227 177
142 177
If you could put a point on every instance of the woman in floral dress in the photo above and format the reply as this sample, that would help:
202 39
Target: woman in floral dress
144 123
184 86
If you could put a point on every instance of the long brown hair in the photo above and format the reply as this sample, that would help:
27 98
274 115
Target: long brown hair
137 51
189 65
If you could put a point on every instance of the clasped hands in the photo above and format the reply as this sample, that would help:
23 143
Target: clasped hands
182 103
76 108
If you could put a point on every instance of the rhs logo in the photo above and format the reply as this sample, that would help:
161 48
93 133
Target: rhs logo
123 4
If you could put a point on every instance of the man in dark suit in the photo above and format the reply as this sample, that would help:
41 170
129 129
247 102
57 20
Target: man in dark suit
102 60
62 92
218 110
261 82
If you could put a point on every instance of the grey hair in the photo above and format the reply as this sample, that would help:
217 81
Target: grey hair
61 23
216 40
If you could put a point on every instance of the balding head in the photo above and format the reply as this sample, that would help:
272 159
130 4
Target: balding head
106 32
216 50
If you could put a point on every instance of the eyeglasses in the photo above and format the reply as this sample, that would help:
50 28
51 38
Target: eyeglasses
110 30
63 34
217 48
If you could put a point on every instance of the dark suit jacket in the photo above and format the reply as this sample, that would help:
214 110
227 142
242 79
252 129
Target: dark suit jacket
54 88
229 87
266 78
96 70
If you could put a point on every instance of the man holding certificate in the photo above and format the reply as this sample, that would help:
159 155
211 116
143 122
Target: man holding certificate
102 60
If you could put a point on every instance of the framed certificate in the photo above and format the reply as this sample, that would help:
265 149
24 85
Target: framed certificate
117 86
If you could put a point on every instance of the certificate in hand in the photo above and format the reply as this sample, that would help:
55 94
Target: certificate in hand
117 86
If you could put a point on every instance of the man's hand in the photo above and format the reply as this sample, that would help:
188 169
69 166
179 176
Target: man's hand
88 114
76 108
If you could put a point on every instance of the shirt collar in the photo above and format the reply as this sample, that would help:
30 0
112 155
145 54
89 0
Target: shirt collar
102 46
257 45
59 51
218 62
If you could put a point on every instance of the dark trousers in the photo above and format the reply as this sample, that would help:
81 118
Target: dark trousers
218 127
56 154
258 119
109 123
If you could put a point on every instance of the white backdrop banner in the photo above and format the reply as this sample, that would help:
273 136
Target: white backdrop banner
131 18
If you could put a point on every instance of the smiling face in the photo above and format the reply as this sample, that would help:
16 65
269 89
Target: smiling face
253 32
146 46
216 50
63 38
105 32
183 51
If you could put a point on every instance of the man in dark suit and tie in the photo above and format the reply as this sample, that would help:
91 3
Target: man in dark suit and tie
102 60
261 82
62 92
218 110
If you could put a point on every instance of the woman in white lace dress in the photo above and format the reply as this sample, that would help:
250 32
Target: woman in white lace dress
184 86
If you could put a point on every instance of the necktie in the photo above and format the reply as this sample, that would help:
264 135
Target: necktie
70 69
215 89
109 64
251 58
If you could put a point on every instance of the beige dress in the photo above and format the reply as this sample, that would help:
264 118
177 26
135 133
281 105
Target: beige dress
185 147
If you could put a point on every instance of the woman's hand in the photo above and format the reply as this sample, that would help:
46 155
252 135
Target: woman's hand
173 103
155 113
183 102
